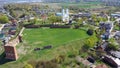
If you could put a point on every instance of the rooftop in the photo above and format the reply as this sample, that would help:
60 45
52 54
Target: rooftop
116 54
116 60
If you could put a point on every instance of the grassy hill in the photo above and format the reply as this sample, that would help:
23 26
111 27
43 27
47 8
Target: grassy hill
63 41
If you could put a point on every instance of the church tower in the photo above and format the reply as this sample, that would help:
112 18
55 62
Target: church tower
65 15
11 52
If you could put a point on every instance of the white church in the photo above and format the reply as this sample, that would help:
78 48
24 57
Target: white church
65 15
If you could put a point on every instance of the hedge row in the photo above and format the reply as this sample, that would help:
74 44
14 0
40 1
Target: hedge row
49 25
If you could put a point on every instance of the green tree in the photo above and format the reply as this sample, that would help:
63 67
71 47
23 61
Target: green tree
54 19
91 41
33 21
4 19
12 13
113 46
112 19
79 21
102 19
95 19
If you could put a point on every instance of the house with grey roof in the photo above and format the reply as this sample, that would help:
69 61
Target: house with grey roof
115 54
108 26
117 35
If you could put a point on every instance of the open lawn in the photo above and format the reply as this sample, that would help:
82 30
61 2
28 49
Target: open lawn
63 41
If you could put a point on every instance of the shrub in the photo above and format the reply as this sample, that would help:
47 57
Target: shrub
72 26
28 66
46 64
33 63
59 59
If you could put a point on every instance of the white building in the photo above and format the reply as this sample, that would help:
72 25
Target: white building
65 15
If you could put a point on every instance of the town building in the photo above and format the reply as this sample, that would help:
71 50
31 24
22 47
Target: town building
101 66
112 2
103 46
114 62
2 10
108 27
117 35
115 54
115 15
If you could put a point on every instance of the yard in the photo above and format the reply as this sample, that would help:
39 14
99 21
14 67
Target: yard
63 41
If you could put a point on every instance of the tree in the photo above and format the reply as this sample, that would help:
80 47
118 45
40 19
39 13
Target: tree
12 13
94 16
79 21
91 41
46 64
95 19
54 19
90 32
33 21
4 19
112 19
113 46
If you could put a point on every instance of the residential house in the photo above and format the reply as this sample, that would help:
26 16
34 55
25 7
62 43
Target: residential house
113 62
103 46
85 62
117 35
102 14
107 27
81 14
115 15
115 54
2 10
88 15
101 66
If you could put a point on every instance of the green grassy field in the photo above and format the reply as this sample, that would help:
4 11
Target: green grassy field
63 41
82 5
